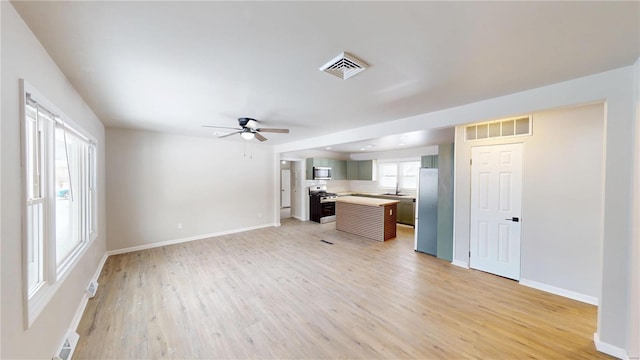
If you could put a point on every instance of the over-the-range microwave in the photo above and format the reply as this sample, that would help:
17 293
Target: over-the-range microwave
321 173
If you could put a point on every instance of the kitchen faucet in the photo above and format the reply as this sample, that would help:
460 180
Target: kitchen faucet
397 189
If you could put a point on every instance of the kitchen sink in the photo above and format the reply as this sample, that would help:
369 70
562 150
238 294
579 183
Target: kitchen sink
393 194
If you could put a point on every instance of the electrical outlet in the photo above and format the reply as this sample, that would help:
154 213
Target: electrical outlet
179 226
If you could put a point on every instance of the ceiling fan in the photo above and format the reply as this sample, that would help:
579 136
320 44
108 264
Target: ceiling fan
248 129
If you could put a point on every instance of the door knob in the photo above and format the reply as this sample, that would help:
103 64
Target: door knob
514 219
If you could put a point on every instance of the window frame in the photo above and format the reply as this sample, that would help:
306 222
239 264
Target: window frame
36 297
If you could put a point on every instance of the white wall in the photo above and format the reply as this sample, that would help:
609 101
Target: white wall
24 57
633 334
562 194
156 181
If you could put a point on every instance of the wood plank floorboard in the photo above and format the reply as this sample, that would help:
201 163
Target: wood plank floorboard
283 293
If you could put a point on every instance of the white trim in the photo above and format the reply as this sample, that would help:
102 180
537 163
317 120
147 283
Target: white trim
455 188
609 349
560 291
187 239
462 264
85 298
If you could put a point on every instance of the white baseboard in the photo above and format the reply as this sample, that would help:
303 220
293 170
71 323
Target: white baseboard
187 239
462 264
609 349
560 291
85 299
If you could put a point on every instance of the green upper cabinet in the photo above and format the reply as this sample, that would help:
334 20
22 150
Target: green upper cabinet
365 170
343 169
309 169
360 170
352 170
429 161
339 169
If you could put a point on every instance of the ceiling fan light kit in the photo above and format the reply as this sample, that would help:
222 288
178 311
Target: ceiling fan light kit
247 135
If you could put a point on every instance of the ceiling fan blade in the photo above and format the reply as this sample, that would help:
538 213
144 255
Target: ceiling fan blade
221 127
271 130
229 134
260 137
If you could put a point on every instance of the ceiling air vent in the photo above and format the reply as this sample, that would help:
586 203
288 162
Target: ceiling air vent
344 66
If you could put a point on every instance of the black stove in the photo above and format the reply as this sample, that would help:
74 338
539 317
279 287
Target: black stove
322 204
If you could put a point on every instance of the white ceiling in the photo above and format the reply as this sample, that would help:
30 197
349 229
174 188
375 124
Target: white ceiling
175 66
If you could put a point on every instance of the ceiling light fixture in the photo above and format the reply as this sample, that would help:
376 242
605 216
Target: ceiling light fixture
328 148
247 135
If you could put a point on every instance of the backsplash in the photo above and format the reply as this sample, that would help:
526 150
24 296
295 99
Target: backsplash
364 186
336 185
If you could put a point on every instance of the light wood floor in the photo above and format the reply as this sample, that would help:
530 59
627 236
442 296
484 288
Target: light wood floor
283 293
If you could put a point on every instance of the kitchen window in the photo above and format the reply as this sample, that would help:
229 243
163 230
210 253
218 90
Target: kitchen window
401 175
60 198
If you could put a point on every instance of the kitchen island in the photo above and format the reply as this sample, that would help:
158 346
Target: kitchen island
372 218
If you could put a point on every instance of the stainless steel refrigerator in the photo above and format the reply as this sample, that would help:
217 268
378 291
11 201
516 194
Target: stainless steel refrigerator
426 228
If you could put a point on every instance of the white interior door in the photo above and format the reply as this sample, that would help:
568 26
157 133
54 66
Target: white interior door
496 197
285 188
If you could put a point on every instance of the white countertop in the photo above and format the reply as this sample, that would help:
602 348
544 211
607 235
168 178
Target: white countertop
384 196
367 201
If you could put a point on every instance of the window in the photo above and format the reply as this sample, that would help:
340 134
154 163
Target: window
388 175
60 198
399 175
518 126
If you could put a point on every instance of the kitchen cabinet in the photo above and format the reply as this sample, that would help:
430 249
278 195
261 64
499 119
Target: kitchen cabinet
343 169
406 212
429 161
309 169
360 170
339 167
406 207
365 170
352 170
